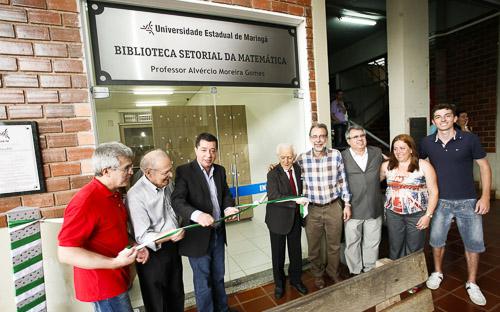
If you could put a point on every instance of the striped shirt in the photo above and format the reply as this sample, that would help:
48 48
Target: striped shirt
324 177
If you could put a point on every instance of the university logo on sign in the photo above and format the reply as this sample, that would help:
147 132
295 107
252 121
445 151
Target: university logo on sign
4 136
148 28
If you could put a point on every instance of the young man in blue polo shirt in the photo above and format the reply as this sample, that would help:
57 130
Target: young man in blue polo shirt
452 153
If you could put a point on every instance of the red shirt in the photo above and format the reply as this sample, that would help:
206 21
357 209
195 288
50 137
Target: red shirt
96 220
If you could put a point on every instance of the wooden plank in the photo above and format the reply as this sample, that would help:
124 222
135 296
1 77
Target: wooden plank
366 290
419 302
381 306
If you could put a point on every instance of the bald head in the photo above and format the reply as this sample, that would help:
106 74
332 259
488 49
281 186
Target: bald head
157 167
151 159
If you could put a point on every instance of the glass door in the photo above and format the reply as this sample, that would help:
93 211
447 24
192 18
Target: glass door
146 118
251 122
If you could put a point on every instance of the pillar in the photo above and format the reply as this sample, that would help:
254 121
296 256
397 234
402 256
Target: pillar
408 62
320 49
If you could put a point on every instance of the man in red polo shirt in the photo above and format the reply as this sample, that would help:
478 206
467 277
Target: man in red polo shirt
94 237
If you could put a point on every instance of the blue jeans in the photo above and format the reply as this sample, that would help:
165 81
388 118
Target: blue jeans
120 303
208 276
469 223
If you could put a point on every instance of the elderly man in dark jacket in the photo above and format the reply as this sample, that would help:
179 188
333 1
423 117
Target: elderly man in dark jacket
284 221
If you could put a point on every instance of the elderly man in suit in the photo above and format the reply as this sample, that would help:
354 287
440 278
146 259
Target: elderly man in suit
201 195
284 221
363 230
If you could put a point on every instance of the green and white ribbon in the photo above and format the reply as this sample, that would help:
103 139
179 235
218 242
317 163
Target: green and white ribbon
26 253
242 208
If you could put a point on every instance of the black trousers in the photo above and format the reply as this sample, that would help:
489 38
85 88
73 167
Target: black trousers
278 242
339 139
161 280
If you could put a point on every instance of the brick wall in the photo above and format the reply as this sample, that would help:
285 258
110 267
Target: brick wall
463 71
42 78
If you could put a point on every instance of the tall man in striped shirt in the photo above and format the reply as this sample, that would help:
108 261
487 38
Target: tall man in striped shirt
325 185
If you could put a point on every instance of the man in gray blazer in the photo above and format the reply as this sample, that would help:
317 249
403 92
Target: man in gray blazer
363 230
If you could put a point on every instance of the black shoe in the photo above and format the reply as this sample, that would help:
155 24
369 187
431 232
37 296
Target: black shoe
301 288
279 292
232 310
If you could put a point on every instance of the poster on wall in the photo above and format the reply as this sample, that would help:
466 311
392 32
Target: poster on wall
135 45
20 160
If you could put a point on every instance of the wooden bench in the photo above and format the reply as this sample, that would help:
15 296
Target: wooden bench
367 290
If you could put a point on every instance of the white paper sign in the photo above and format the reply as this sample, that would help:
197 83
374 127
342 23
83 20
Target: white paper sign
18 160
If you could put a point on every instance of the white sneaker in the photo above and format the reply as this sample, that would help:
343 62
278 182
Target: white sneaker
434 280
475 294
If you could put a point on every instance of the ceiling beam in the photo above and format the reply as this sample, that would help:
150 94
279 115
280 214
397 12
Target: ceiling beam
493 4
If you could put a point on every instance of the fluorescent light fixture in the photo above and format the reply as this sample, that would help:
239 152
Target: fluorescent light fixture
150 104
357 20
380 61
153 92
371 16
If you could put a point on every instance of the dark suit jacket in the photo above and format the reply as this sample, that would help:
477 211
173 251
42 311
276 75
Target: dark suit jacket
280 216
192 193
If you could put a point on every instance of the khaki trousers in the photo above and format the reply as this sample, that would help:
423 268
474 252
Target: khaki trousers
362 239
325 221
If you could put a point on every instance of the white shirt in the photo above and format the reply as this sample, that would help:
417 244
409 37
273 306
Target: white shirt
360 160
209 177
150 210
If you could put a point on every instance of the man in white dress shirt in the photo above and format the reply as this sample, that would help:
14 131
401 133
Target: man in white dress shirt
151 214
363 230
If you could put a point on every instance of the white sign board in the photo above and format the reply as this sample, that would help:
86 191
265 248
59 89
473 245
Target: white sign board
20 161
134 45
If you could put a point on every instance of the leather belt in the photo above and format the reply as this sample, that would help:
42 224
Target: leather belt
323 205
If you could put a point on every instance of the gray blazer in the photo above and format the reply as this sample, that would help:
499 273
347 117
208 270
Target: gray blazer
366 199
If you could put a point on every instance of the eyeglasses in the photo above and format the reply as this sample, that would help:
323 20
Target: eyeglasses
360 136
127 168
322 136
440 117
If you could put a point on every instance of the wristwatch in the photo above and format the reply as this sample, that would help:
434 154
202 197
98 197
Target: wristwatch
429 215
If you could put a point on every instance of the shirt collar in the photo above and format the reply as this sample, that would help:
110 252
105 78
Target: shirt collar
211 173
149 185
458 134
103 189
325 152
286 171
354 154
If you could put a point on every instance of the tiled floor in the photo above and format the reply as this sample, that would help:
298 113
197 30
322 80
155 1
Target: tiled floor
451 297
248 249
